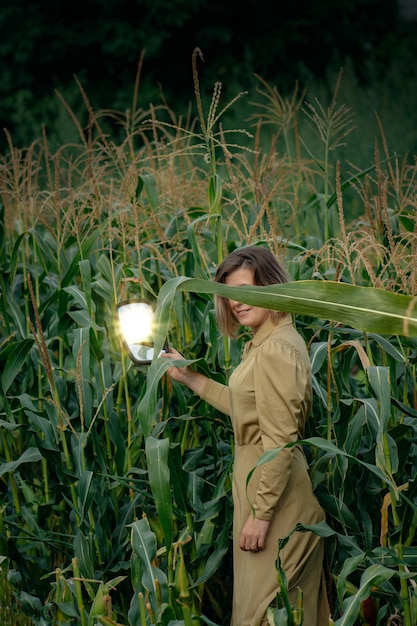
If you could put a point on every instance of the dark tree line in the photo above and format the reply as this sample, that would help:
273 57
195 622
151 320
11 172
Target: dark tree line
44 43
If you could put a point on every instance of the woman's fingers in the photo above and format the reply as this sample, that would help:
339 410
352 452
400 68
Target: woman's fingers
176 373
252 538
250 546
172 354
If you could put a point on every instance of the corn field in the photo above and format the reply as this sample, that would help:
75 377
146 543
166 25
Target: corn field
115 482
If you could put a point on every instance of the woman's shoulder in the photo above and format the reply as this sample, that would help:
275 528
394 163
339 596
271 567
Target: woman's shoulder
284 337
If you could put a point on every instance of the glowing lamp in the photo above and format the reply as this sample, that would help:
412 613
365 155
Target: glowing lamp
136 324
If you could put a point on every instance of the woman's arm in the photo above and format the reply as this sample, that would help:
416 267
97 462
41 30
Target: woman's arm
281 386
282 391
210 391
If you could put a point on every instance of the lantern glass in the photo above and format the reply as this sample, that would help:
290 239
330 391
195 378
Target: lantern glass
136 324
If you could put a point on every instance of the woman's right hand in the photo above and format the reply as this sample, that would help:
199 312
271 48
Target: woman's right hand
176 373
185 375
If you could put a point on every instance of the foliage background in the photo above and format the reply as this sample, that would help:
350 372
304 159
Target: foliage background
44 44
115 484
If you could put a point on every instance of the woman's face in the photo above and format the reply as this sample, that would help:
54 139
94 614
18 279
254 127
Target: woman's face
247 315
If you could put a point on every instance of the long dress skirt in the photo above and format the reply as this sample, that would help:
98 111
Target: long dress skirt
255 573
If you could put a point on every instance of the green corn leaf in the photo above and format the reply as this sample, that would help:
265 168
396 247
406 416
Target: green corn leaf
86 490
386 460
144 544
166 616
31 455
82 353
152 578
157 451
10 425
195 485
163 309
322 529
365 308
67 609
407 219
82 318
373 575
44 248
83 556
106 270
388 347
200 266
139 188
15 253
16 312
147 406
178 478
212 563
330 449
204 537
379 379
319 353
320 392
215 195
350 565
354 433
99 608
15 361
278 617
31 605
78 295
149 183
85 272
44 427
73 268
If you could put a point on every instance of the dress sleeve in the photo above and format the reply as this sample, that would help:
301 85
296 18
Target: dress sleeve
282 393
217 395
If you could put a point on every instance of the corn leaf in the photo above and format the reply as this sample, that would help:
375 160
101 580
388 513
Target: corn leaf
82 551
144 545
373 575
14 363
365 308
147 406
30 455
157 451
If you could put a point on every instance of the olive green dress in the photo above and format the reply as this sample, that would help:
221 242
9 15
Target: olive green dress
269 400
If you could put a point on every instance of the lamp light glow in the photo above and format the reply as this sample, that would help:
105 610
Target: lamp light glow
136 324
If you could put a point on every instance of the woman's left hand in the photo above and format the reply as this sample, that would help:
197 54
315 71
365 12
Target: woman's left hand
252 537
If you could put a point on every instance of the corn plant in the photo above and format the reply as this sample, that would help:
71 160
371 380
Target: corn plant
116 482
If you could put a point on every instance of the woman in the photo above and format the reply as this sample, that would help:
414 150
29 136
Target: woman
269 400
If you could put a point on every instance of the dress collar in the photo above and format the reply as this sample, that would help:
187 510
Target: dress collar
269 326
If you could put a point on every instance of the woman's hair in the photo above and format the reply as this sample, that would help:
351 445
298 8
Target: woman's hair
266 271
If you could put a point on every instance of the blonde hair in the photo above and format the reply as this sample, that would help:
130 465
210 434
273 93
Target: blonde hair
266 271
